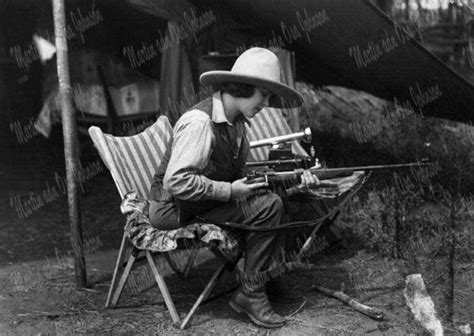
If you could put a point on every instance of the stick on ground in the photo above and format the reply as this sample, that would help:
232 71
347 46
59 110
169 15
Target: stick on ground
373 313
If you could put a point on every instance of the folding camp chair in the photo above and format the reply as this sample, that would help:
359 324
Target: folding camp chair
271 123
132 162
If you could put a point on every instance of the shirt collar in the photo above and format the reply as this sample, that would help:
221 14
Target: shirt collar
218 113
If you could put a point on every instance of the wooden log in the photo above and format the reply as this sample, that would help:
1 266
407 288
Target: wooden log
373 313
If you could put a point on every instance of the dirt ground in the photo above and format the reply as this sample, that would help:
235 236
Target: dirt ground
39 298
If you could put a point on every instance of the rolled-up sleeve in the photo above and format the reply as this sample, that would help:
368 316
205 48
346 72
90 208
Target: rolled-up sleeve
190 154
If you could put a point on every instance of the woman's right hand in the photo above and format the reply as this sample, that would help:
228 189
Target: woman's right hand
242 188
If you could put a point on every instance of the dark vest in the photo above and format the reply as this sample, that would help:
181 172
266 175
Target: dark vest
226 162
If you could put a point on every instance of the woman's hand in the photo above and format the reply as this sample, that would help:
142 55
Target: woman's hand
241 188
309 180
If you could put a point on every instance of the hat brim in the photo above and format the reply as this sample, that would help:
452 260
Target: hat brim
283 95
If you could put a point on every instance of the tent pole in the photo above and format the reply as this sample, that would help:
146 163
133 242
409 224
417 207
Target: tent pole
70 141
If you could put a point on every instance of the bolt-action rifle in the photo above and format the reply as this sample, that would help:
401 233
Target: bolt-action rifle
287 167
323 173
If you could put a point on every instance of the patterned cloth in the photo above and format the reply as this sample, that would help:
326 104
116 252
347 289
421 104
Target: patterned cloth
331 188
145 237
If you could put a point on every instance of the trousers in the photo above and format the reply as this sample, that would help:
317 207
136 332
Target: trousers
262 208
164 215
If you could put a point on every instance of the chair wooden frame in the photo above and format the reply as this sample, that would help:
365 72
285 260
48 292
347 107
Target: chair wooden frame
125 181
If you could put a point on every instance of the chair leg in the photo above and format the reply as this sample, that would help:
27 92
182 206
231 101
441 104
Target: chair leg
210 285
190 262
163 289
117 265
124 277
320 209
308 242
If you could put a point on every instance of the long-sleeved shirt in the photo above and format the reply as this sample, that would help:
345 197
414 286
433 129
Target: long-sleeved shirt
190 164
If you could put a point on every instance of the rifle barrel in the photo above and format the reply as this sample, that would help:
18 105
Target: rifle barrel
272 162
375 167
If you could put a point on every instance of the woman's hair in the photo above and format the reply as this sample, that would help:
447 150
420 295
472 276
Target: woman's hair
237 90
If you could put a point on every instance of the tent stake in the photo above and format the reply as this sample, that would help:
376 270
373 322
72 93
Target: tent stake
70 141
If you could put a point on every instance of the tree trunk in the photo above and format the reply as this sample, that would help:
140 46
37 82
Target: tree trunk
70 142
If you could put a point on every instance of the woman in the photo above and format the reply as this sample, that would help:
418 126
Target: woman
204 175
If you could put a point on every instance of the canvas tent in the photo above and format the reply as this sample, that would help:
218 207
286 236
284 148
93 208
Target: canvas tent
351 43
348 43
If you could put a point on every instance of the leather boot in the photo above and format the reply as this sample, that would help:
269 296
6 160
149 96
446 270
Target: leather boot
280 293
253 301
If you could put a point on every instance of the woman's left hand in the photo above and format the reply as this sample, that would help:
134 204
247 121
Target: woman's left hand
309 180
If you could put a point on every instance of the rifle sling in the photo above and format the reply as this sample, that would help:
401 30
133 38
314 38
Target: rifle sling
282 227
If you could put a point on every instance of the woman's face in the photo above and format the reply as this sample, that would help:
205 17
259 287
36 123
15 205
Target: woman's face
252 105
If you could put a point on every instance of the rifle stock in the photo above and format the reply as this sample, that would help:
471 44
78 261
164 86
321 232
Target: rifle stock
325 174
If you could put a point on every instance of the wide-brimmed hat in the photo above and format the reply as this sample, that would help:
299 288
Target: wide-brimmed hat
259 67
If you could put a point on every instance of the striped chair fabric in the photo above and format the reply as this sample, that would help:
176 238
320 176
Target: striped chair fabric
269 123
132 161
138 155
